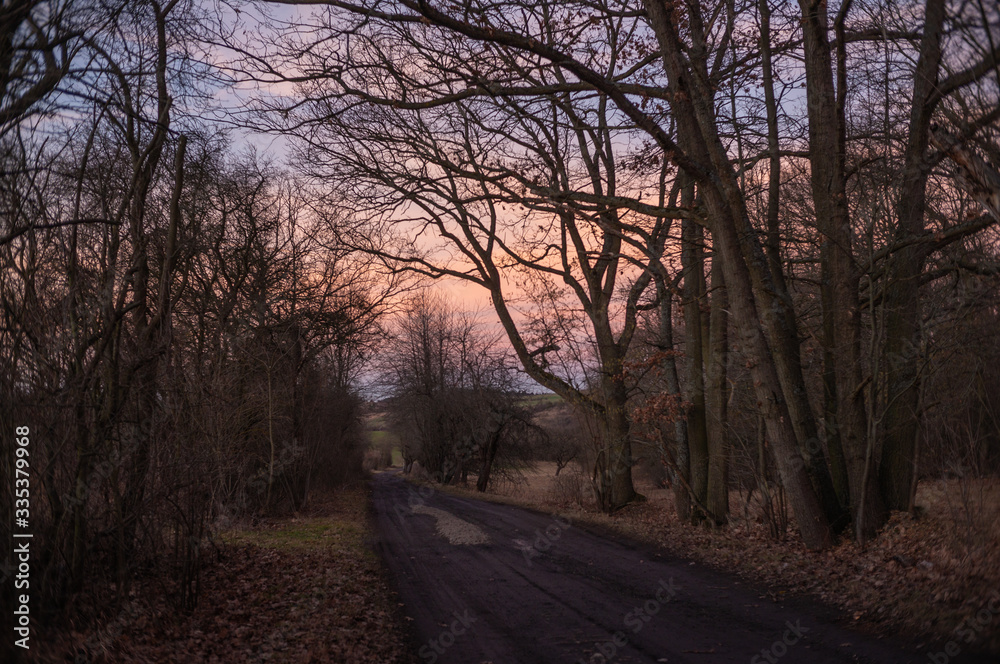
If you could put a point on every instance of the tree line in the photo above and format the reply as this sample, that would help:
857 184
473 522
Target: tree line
453 397
181 343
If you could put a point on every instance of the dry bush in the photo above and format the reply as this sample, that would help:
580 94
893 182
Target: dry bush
377 458
568 437
569 488
972 509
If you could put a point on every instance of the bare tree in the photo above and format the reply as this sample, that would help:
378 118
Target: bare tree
453 397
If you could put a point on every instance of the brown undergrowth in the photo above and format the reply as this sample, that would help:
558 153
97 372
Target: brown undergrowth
305 588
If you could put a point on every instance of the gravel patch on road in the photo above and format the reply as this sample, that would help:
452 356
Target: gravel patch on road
455 530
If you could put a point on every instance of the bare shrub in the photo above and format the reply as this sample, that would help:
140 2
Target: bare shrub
973 513
567 436
569 488
454 400
377 458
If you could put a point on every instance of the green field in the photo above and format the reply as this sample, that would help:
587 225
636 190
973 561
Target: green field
379 436
543 399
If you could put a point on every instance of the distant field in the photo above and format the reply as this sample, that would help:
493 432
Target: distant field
379 436
544 399
377 425
377 421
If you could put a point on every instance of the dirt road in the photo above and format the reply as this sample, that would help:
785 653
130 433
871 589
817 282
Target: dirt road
484 582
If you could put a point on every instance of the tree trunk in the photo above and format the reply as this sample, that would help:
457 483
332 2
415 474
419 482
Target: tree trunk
902 284
698 136
694 283
784 327
489 455
826 150
809 513
834 446
679 469
613 467
717 499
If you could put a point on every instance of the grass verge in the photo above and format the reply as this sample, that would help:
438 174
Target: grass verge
300 589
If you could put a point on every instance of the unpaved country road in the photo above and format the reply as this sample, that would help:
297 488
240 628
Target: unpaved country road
484 582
